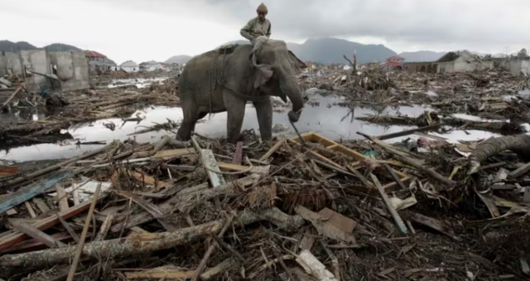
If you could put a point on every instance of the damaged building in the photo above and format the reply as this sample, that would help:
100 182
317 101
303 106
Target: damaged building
99 62
42 70
461 61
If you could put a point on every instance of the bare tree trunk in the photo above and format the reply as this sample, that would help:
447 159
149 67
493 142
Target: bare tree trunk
138 244
519 144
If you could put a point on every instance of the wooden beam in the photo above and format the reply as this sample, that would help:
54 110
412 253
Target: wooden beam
37 235
25 194
13 237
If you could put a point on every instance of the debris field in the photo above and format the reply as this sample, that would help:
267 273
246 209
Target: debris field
296 208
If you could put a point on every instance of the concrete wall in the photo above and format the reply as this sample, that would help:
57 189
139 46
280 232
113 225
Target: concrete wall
525 66
38 61
11 62
3 65
72 69
14 62
516 66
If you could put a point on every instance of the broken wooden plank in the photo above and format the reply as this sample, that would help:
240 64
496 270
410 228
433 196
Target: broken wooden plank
260 170
68 228
8 170
340 221
33 244
273 149
62 199
307 241
14 237
81 244
397 219
30 209
174 153
41 205
325 227
334 146
314 267
37 235
434 224
104 229
409 132
75 194
396 178
520 171
161 273
212 272
25 194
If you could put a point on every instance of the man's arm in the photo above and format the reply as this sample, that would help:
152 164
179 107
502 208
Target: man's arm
269 30
246 31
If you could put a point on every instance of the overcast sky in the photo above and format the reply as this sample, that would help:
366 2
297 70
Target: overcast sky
144 30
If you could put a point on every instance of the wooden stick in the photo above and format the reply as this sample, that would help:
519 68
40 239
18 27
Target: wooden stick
401 157
104 228
12 96
30 209
272 149
62 201
209 252
37 235
397 219
68 228
229 248
26 193
13 237
81 243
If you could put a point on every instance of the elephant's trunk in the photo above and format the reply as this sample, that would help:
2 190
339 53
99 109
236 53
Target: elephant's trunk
289 86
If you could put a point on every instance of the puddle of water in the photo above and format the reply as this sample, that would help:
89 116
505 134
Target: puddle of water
475 118
329 121
138 82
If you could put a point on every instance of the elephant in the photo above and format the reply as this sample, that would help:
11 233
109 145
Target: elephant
227 78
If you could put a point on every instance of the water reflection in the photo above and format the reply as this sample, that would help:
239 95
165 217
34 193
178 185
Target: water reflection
332 121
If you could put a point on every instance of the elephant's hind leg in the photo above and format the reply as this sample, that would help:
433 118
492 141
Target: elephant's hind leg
191 115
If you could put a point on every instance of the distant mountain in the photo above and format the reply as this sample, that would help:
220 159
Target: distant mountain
8 46
178 59
331 50
59 47
420 56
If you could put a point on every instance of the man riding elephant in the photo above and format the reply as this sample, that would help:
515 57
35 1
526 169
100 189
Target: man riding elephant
258 26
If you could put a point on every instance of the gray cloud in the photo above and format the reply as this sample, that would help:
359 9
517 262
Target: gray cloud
473 23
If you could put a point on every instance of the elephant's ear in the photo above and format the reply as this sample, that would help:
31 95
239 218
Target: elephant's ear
262 73
296 62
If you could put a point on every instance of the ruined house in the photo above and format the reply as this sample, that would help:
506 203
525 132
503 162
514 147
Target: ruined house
99 62
129 66
43 71
152 66
394 62
460 61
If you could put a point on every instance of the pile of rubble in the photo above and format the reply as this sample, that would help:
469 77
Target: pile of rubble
304 208
79 107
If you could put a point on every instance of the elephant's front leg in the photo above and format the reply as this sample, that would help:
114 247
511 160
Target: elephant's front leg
235 109
264 111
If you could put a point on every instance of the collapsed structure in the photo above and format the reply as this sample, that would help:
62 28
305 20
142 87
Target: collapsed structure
42 70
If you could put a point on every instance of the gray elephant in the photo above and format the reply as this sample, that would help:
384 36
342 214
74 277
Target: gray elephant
226 78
